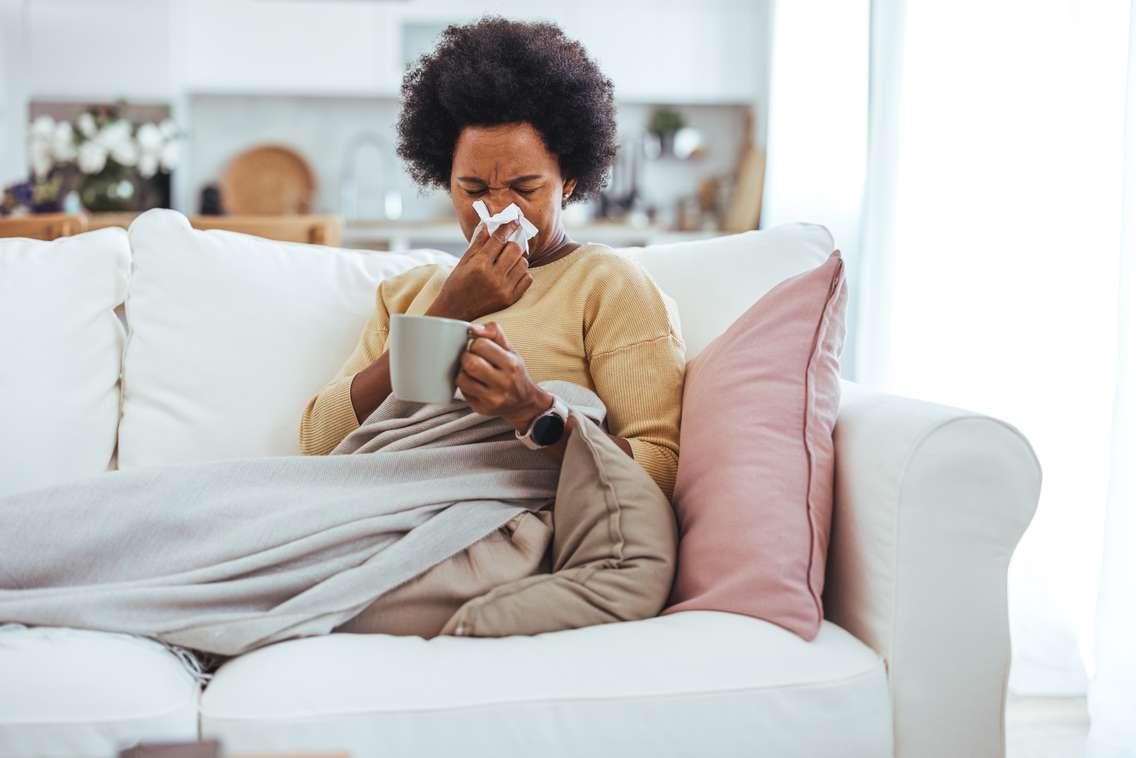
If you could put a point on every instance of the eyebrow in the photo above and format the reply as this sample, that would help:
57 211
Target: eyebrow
477 180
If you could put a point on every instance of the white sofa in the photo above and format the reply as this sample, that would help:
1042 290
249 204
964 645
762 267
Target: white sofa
222 339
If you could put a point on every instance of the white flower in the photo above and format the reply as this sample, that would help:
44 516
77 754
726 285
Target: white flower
114 134
63 142
86 124
168 128
43 127
39 156
149 138
147 165
92 157
171 153
125 152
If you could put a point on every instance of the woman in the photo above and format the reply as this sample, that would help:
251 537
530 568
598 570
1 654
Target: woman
508 112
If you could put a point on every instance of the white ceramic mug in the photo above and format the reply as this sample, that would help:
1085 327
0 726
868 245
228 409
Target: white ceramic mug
425 355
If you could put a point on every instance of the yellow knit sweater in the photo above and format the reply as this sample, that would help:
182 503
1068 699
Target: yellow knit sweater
593 317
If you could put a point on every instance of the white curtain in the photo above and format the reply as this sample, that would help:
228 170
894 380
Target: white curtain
992 239
818 120
1112 693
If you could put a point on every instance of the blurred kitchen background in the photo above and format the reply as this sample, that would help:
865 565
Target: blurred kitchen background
287 107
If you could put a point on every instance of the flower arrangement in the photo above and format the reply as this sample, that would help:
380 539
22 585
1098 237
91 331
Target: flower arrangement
108 160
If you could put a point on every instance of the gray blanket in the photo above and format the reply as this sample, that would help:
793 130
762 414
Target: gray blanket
231 555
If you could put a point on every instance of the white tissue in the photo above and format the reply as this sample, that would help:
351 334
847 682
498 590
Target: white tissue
511 212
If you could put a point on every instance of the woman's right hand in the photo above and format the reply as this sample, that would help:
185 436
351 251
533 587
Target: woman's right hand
491 276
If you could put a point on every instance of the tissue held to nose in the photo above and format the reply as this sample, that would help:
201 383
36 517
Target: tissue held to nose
525 229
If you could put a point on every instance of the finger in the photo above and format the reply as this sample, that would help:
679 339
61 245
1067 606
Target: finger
482 235
519 270
499 238
498 357
508 256
470 386
478 241
478 368
523 283
493 331
518 267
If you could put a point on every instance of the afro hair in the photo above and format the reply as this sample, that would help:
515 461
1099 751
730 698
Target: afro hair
496 71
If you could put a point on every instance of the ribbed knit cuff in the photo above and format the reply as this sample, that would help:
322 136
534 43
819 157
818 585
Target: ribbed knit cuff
659 463
332 418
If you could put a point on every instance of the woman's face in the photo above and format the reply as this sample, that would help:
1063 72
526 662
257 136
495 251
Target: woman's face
503 164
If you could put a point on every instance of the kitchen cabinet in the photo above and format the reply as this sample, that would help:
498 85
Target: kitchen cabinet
104 50
280 47
681 52
710 52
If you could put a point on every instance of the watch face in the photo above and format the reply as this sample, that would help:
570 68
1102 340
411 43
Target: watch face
548 429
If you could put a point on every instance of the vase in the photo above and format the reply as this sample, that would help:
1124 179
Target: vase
112 190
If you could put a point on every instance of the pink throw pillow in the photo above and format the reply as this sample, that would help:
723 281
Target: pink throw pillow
755 472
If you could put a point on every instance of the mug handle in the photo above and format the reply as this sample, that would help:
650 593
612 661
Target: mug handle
457 390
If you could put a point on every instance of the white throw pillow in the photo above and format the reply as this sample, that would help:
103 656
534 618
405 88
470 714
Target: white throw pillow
60 356
230 335
715 281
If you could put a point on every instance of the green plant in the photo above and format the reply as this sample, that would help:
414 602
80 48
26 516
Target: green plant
665 121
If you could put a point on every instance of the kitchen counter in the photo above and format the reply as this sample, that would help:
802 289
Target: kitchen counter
444 234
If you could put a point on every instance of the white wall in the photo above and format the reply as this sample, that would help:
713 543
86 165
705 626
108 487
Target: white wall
12 129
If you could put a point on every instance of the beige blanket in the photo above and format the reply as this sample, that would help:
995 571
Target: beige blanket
228 556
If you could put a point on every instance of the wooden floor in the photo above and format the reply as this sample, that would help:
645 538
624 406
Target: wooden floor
1046 727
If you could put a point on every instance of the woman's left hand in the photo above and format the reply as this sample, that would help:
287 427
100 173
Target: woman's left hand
494 380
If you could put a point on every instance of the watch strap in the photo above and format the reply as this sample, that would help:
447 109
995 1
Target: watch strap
558 408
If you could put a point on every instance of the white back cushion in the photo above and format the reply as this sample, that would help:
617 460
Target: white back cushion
715 281
231 334
60 356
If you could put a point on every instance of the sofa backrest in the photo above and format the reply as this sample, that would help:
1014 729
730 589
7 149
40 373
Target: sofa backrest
714 281
229 335
60 355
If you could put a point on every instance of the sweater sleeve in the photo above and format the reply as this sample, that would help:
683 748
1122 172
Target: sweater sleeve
637 360
329 416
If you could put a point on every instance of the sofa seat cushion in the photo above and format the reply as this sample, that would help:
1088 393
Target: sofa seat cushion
71 692
694 683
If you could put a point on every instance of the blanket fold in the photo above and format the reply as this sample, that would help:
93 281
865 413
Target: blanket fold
228 556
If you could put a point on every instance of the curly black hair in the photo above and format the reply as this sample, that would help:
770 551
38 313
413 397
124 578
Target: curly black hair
496 71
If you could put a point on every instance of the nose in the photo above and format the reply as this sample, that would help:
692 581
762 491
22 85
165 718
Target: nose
496 203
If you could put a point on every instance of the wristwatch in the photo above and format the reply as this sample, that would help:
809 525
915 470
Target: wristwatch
547 428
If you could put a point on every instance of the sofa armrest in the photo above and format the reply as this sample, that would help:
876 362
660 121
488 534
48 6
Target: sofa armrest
930 504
